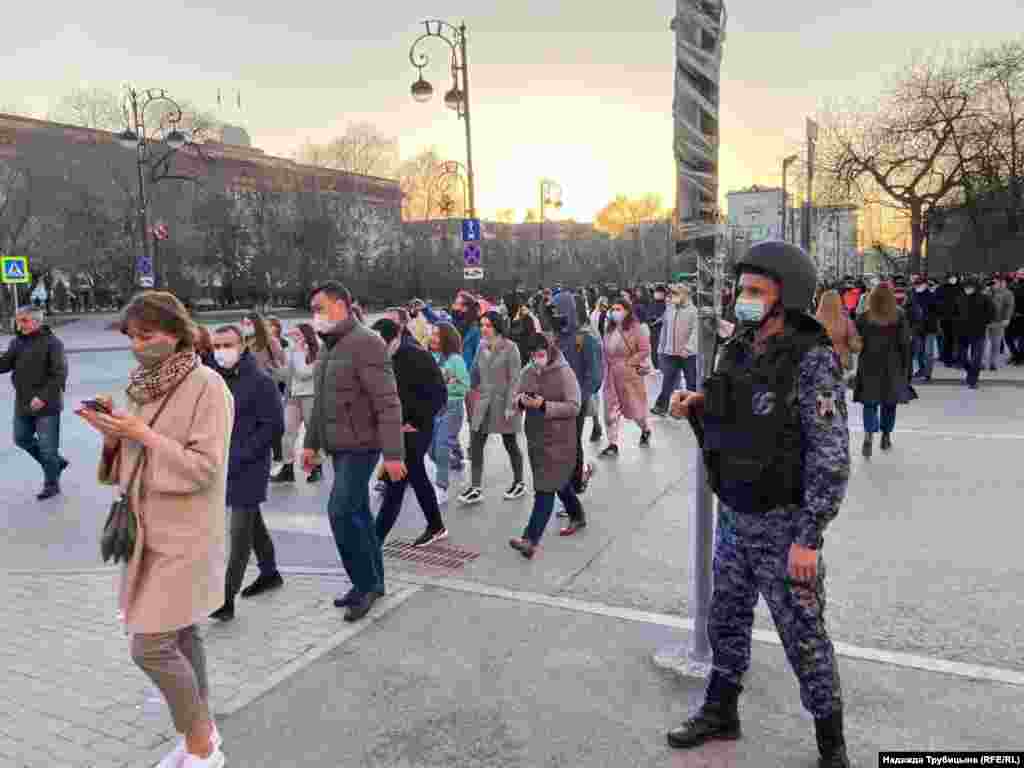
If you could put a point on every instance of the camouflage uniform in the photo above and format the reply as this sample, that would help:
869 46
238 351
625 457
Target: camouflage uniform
752 550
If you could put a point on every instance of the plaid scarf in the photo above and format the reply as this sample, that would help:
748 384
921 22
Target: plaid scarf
149 384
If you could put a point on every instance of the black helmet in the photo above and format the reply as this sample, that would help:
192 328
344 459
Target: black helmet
789 265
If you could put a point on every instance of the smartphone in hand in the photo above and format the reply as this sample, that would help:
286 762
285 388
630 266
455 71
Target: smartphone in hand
96 405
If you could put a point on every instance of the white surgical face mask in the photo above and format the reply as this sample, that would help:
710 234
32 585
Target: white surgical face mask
248 330
321 323
751 312
226 358
617 316
969 291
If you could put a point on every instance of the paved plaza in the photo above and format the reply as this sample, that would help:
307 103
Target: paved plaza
479 658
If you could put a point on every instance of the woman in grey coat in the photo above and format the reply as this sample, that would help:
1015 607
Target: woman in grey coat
550 395
492 404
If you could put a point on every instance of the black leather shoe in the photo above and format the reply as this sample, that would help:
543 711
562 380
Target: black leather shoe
263 584
48 492
867 448
350 597
360 606
886 441
225 613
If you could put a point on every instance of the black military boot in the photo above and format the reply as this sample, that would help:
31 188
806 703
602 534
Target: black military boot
886 441
717 718
866 450
831 744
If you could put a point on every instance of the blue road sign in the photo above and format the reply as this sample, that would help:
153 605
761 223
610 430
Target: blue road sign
471 255
15 270
470 230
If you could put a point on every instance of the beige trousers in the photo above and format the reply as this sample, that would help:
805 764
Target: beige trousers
176 663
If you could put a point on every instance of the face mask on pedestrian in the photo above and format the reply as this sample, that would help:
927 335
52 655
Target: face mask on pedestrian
322 323
969 291
247 330
153 354
617 316
952 281
750 311
921 288
227 358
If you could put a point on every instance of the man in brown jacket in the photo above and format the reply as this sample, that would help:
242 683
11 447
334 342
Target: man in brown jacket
357 417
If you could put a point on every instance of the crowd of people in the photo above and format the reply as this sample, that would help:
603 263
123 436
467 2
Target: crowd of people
214 417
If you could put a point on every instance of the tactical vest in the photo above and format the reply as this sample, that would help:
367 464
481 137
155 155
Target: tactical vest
752 437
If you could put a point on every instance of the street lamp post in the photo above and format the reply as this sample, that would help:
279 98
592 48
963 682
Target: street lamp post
457 98
547 187
134 137
785 168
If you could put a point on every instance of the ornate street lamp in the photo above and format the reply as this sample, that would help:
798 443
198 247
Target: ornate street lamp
134 136
457 97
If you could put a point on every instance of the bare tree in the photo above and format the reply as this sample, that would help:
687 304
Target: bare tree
90 108
903 152
416 177
1000 125
16 209
363 150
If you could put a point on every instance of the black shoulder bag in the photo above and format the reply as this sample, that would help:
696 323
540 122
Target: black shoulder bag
121 530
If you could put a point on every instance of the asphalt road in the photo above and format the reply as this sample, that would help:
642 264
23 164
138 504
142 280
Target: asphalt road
924 557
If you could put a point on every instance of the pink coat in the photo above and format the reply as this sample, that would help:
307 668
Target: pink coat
624 387
176 576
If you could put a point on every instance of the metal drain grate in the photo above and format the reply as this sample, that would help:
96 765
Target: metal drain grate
438 555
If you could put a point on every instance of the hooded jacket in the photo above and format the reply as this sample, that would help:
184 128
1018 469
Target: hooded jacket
551 430
40 369
581 350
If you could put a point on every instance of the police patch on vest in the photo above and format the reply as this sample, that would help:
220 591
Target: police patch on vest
826 405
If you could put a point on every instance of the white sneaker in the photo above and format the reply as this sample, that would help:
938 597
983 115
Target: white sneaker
176 757
215 760
442 495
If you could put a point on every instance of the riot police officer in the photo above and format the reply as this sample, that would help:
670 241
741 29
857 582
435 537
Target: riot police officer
772 425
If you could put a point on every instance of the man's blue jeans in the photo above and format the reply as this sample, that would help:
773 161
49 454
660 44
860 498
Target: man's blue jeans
924 348
672 368
349 511
871 420
39 437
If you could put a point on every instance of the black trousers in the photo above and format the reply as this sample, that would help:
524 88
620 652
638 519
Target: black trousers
248 533
416 446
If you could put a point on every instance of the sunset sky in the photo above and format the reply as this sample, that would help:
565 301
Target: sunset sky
579 92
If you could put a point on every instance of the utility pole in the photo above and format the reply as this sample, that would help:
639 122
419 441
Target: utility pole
812 140
696 142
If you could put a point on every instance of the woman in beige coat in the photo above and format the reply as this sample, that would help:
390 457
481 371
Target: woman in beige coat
627 361
175 577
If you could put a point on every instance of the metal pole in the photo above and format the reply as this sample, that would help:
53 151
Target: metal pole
540 242
469 140
143 202
785 167
696 150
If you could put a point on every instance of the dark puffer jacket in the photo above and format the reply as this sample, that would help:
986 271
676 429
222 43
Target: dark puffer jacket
356 406
40 369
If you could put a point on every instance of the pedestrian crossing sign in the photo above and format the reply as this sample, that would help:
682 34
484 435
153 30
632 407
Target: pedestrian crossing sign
15 270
